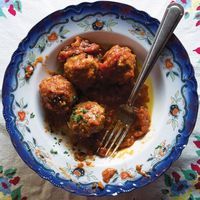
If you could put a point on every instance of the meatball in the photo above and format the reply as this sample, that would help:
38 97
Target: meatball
81 70
78 46
57 94
118 65
87 118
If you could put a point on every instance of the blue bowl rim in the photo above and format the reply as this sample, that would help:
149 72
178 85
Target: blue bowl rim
181 141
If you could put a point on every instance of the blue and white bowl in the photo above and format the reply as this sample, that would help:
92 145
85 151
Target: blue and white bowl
174 101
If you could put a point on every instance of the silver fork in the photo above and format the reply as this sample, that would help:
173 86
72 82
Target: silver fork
116 133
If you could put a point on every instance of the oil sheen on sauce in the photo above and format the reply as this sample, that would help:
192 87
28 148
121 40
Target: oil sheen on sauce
148 82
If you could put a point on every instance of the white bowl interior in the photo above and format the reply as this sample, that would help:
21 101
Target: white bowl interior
156 79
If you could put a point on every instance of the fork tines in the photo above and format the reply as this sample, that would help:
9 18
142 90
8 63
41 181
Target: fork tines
113 137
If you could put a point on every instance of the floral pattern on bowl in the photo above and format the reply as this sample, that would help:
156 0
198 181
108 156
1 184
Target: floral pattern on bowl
48 153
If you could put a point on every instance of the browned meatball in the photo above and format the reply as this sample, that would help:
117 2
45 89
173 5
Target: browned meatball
87 118
81 70
57 94
78 46
118 65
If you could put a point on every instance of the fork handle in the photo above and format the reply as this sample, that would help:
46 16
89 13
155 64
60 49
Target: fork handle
171 18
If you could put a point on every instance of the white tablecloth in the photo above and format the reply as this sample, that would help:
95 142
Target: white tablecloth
18 182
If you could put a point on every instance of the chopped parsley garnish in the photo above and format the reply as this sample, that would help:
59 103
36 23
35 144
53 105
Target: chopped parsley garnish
53 151
76 118
84 111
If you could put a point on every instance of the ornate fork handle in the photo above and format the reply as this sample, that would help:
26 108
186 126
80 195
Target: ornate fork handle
171 18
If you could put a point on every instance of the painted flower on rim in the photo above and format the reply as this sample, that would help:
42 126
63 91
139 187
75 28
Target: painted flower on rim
98 25
168 63
52 37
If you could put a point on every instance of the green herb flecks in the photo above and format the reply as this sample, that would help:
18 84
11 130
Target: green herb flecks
53 152
84 111
76 118
32 115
